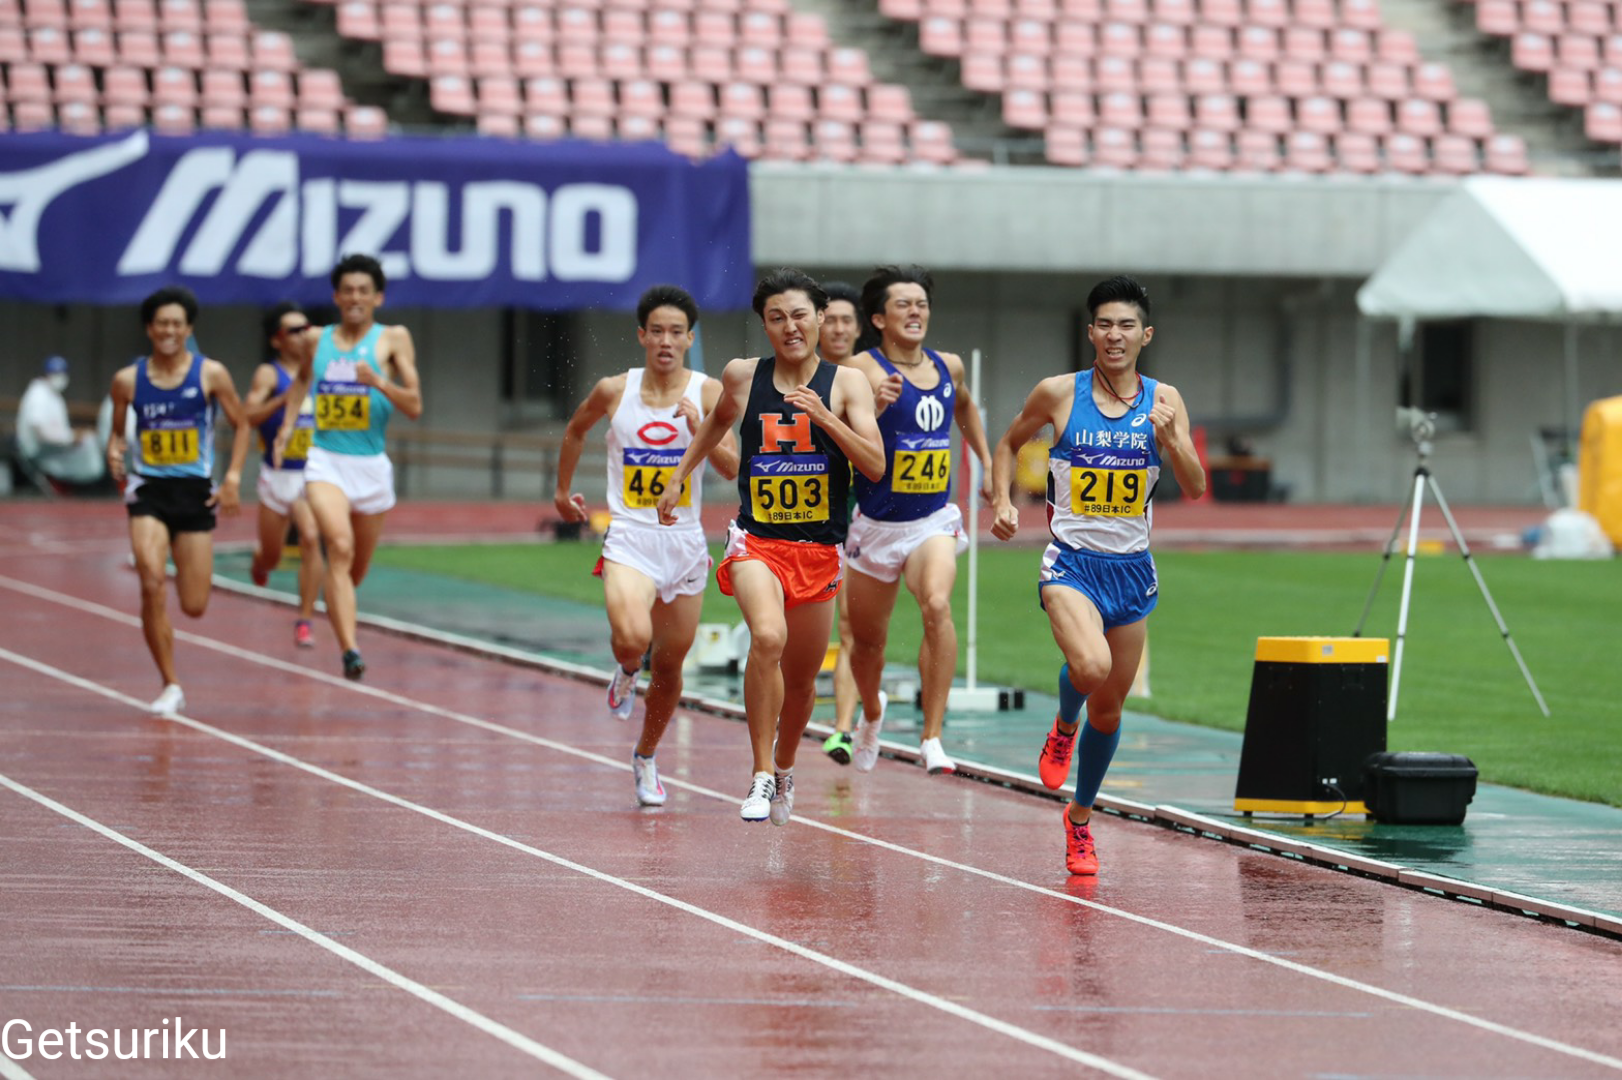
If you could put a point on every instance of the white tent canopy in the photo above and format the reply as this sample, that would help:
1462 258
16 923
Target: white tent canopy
1507 248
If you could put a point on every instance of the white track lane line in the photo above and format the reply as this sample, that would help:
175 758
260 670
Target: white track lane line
10 1070
517 1041
922 997
990 875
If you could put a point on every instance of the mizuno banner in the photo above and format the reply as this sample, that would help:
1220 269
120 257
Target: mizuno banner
457 222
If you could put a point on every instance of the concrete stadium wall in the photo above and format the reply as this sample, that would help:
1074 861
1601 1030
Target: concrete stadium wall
1254 283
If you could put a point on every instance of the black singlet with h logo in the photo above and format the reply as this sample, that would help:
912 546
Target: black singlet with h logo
793 480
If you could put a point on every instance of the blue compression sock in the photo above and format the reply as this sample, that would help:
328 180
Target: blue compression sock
1070 699
1093 756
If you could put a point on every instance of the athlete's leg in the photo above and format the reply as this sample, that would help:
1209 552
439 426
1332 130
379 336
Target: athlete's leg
845 696
330 506
368 530
194 570
267 552
1078 629
674 626
870 603
930 572
807 646
628 594
149 542
1097 747
311 566
760 598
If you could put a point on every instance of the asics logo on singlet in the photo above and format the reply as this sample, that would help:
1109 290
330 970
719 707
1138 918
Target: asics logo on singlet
1138 420
1151 590
929 414
190 391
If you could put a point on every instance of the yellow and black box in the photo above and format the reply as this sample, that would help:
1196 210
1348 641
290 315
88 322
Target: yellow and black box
1317 711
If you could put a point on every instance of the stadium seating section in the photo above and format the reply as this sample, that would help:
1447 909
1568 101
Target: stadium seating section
1308 86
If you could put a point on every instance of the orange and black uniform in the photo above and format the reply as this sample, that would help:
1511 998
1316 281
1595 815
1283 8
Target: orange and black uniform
793 483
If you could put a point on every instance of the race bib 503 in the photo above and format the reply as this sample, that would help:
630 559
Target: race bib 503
789 489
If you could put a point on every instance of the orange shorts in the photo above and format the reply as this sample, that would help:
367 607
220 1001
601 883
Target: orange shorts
809 573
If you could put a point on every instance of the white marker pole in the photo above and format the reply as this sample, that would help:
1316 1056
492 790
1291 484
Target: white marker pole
974 525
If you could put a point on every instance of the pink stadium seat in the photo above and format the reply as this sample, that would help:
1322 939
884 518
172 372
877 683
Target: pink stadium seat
397 20
741 99
1072 110
82 14
1046 10
488 58
709 28
1469 116
739 133
73 82
1249 78
1214 42
1161 150
1318 115
1065 146
224 89
755 64
1506 154
1397 47
1455 155
28 82
1602 122
1033 37
1221 13
135 15
1304 43
1589 17
1114 148
1173 12
404 58
1119 40
579 25
710 62
591 128
122 117
1257 151
1357 153
1342 80
1216 113
591 97
786 140
365 122
640 97
545 126
1319 14
1135 12
575 59
45 13
1531 52
78 118
1500 18
273 51
1259 43
49 45
498 96
1210 150
32 116
548 95
226 17
272 88
1368 116
180 15
170 86
1579 51
1025 109
1295 78
269 120
1361 14
227 51
1168 112
1159 75
1388 81
985 36
801 67
498 125
694 100
882 143
93 47
938 36
488 24
533 24
835 140
1607 86
1065 72
1419 117
1074 39
637 129
1163 39
124 86
1405 153
760 28
532 59
1088 11
173 120
618 60
951 9
316 121
931 142
1115 74
887 101
1273 13
1542 17
1121 110
182 48
1307 151
1268 114
1202 76
1434 82
842 103
685 136
1570 87
627 27
1353 46
903 10
444 21
667 63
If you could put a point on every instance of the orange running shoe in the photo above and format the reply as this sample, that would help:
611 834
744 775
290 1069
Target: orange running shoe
1053 766
1079 856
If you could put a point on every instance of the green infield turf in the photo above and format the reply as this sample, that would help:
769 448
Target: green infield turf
1461 691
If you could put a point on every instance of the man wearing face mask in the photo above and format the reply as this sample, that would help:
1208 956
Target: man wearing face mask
46 441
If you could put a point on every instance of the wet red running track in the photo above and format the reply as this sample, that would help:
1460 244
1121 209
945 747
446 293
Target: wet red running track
442 872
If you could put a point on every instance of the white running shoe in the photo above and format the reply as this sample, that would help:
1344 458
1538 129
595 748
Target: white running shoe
757 805
171 701
866 753
783 800
935 759
622 693
649 791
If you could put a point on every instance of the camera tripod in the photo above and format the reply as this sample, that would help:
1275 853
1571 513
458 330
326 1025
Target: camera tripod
1422 429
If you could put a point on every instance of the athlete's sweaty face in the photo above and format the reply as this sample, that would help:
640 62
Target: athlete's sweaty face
1118 335
905 319
792 325
665 339
357 298
169 330
838 337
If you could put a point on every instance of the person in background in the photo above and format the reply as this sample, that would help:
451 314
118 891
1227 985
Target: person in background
47 441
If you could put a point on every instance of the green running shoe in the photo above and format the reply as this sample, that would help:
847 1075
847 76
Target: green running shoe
837 746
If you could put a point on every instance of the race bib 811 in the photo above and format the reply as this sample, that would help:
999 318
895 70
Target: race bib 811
171 442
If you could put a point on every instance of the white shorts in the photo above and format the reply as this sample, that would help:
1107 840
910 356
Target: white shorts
279 489
880 549
367 479
677 560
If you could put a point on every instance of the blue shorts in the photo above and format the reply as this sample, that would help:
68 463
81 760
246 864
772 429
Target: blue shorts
1124 588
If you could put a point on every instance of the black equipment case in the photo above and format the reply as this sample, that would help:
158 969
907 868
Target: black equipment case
1413 788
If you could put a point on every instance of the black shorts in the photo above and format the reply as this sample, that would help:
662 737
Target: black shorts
180 502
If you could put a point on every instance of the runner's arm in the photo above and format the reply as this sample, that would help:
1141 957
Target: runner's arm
404 391
725 455
262 400
1040 409
729 405
970 422
123 389
597 404
218 383
297 391
1169 415
857 434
